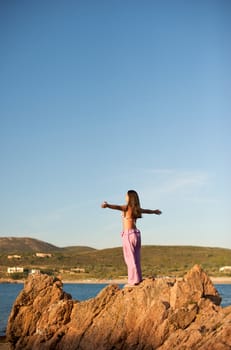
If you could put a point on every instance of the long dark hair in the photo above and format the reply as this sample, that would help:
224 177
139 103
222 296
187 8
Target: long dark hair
134 203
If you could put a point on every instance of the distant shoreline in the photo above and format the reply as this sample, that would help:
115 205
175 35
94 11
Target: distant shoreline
215 280
221 280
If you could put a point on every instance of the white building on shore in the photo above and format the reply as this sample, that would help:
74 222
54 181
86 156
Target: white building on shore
225 269
43 255
15 269
14 256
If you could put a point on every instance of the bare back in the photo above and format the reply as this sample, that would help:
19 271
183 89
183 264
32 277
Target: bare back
129 222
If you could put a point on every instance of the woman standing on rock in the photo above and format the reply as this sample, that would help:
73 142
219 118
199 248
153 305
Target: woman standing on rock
131 239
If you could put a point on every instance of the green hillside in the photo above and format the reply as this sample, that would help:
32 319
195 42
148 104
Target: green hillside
85 262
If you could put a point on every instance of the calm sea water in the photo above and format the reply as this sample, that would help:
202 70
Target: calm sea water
9 292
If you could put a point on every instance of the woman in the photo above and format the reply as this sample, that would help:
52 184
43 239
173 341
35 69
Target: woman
131 237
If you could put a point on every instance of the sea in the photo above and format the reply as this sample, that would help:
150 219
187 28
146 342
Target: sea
78 291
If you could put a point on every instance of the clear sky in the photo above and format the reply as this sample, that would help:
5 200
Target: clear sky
99 97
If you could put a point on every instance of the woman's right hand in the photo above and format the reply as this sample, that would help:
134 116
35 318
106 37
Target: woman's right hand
104 205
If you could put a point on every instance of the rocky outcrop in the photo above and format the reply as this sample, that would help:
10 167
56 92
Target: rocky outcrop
158 314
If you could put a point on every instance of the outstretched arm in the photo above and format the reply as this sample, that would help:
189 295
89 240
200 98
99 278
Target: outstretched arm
113 206
149 211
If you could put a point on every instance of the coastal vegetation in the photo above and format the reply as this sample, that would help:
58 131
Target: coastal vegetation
77 262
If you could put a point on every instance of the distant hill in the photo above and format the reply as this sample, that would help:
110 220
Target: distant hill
13 245
78 249
20 245
109 263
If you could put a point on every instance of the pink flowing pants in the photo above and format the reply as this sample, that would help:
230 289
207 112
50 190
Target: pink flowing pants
131 250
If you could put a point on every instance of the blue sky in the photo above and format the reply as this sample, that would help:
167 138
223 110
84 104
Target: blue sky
99 97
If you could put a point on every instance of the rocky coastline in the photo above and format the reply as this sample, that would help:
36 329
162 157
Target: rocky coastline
158 314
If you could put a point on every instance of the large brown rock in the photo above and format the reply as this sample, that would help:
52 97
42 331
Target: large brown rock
159 314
